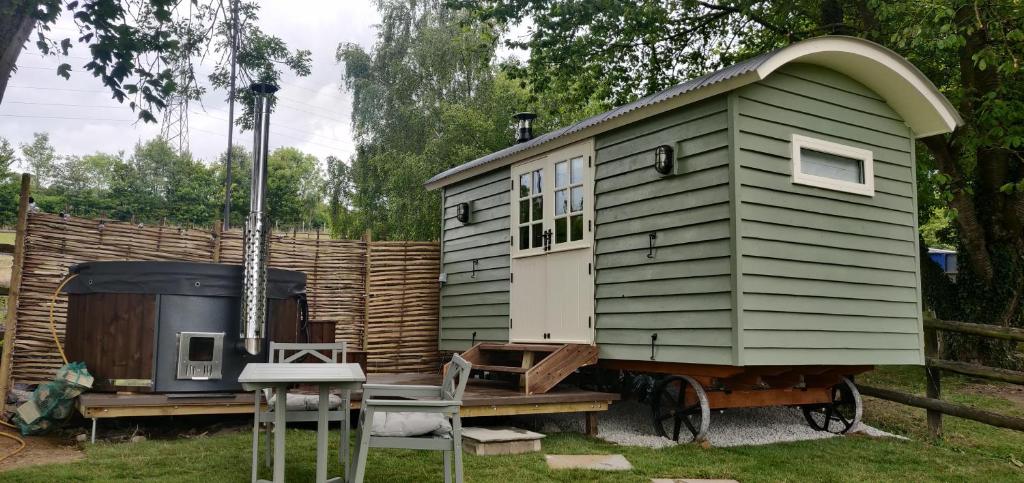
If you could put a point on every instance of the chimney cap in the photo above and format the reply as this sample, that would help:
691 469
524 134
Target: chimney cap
525 116
263 88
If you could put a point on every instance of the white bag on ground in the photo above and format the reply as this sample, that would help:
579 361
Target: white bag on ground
410 424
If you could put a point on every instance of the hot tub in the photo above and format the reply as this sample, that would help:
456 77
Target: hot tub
173 326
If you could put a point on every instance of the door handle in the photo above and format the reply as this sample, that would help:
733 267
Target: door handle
547 240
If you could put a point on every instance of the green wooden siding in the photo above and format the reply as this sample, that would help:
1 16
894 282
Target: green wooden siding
476 301
827 277
683 292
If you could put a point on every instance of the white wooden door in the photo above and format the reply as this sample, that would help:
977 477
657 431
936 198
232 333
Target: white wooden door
552 297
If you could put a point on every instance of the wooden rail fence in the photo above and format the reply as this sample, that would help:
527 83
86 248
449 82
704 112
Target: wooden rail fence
934 365
382 296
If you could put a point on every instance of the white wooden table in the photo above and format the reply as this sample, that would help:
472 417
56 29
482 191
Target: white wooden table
279 377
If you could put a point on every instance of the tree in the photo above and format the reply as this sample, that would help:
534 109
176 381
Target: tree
425 98
294 189
971 50
143 50
41 158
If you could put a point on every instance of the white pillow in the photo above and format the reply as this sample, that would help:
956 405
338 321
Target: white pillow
410 424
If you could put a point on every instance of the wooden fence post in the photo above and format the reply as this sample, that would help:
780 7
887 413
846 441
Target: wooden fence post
11 321
934 380
368 238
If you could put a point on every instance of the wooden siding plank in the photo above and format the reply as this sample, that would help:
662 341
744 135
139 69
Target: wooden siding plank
480 215
700 135
672 236
662 271
780 149
881 146
791 356
665 121
713 301
835 323
499 234
689 354
666 320
688 251
824 305
667 337
829 77
834 256
661 205
466 266
795 201
486 322
659 187
489 298
681 286
642 162
479 192
644 223
820 271
474 287
482 334
484 179
781 79
822 288
486 251
784 166
822 222
790 98
474 310
495 201
834 239
778 182
471 277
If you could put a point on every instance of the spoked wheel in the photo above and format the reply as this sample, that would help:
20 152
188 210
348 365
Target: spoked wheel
839 416
680 409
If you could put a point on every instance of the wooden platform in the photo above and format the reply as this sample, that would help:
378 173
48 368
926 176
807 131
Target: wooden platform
482 398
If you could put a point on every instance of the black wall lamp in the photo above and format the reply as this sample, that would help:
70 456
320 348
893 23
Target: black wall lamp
663 159
462 212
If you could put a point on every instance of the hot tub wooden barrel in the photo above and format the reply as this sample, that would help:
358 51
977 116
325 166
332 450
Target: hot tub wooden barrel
174 326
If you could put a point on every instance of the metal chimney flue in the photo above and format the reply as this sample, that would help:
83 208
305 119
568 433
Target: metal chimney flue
254 288
524 126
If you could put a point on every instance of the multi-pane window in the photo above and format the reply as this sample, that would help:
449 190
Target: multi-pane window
531 210
569 200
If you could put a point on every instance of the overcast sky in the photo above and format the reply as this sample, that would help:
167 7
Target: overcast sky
313 114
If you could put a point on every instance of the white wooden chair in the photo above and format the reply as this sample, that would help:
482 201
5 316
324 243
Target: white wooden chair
445 399
284 353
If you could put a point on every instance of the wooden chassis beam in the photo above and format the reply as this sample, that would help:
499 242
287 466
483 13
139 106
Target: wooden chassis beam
757 398
102 412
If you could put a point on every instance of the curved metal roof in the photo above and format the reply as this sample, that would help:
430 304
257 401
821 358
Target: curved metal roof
903 86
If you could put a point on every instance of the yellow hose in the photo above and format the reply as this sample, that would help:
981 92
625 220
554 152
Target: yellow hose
60 349
20 441
53 325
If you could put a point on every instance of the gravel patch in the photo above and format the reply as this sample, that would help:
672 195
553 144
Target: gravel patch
628 423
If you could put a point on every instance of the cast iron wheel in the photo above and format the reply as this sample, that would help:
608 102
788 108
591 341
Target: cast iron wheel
839 416
679 403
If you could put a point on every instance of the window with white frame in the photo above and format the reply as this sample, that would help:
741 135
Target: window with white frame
833 166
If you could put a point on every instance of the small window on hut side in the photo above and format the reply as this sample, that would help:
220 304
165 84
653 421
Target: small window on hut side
833 166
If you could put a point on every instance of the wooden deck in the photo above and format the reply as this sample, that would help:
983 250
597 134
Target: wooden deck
482 398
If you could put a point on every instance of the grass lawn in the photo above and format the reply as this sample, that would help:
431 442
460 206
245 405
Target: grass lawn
969 452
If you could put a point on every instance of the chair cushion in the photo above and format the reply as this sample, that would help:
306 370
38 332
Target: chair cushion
410 424
305 402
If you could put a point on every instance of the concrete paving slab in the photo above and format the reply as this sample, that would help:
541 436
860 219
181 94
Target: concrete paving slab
603 462
499 434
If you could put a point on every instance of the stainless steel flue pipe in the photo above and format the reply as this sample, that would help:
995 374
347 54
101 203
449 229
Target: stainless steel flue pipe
254 288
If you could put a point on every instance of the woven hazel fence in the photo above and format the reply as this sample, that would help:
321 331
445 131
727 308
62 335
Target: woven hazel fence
381 296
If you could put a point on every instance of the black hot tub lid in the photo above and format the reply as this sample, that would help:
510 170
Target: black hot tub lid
177 278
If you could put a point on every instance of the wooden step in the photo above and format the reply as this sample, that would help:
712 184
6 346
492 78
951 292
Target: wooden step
557 366
485 346
506 369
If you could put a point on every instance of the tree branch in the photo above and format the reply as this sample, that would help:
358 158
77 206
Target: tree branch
756 18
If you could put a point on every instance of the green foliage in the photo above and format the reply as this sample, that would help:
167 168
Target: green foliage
426 98
144 51
156 184
41 158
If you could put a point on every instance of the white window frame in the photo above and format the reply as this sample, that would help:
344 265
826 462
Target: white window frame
867 188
